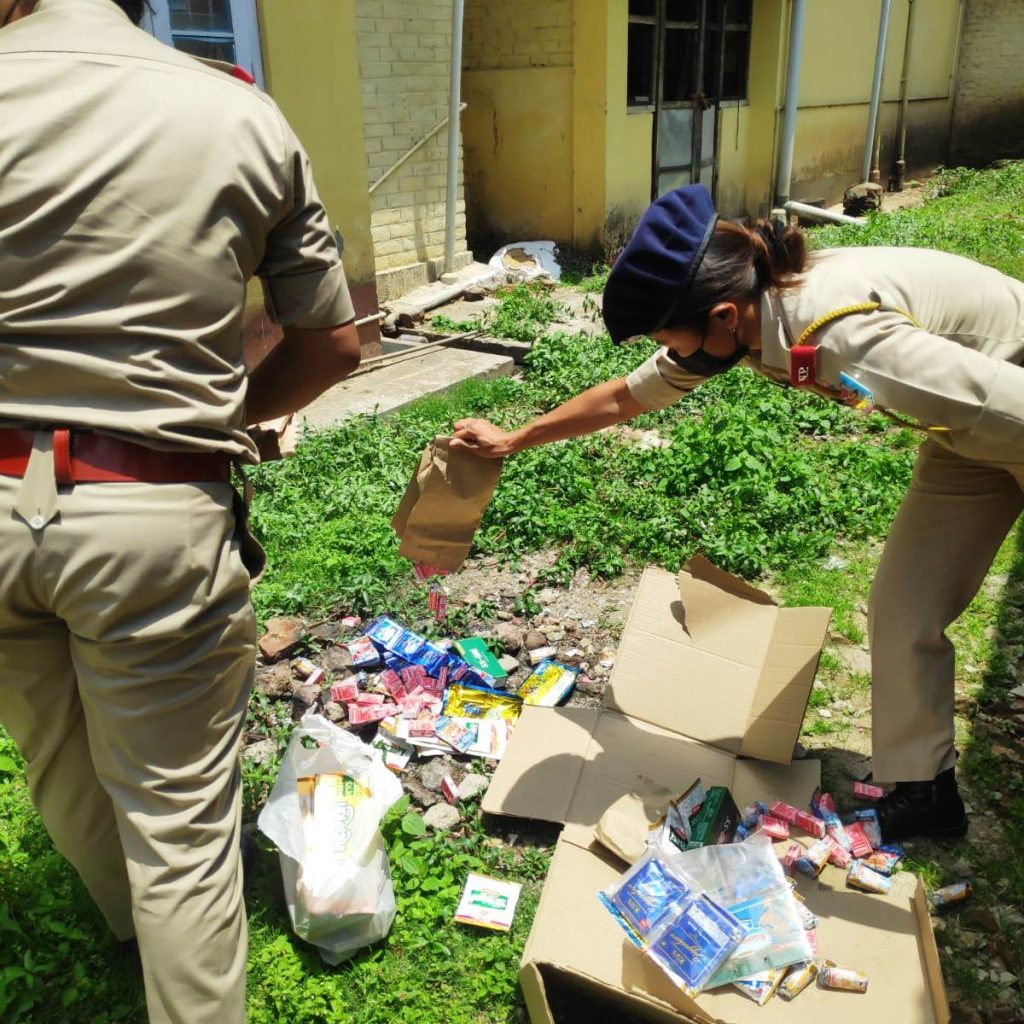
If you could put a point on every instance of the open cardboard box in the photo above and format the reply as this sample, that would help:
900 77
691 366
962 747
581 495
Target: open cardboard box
711 680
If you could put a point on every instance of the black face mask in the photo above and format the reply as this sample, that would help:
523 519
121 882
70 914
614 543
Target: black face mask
704 364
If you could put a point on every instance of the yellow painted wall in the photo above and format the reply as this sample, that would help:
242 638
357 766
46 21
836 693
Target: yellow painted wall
835 90
517 131
628 139
510 34
518 153
312 71
590 118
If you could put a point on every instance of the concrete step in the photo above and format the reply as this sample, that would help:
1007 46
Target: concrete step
389 388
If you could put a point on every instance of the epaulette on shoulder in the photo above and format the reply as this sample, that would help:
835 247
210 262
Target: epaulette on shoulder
234 70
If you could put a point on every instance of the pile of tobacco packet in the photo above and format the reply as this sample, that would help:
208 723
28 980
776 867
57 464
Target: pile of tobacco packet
438 697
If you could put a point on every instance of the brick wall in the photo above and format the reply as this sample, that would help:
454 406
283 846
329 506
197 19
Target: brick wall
501 34
404 53
988 119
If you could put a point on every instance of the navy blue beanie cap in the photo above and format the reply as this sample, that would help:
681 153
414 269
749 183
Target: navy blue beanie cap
652 276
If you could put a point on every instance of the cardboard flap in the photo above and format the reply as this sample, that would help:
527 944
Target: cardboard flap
707 656
541 767
784 686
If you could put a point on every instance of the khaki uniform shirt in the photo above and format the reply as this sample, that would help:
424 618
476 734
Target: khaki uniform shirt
956 368
139 191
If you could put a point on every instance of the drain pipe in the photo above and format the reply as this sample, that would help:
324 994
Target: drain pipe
876 88
900 168
454 100
818 214
783 177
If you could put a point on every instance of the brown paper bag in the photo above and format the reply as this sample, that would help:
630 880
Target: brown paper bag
443 505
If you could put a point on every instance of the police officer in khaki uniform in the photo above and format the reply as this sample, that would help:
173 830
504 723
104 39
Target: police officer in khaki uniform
924 334
139 192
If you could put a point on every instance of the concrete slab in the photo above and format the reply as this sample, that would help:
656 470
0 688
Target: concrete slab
389 388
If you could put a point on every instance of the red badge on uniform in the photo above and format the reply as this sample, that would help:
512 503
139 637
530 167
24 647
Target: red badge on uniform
802 368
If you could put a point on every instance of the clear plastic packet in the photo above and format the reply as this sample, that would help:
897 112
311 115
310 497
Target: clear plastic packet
748 880
692 942
640 897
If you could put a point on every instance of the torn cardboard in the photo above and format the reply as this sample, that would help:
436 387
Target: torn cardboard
711 680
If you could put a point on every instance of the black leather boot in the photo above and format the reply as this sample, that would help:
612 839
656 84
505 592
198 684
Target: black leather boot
930 810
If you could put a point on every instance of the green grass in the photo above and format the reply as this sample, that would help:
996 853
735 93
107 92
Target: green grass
979 214
761 479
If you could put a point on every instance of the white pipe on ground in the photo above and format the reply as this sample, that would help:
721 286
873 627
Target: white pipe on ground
817 213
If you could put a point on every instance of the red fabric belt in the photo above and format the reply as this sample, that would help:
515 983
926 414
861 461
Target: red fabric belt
85 458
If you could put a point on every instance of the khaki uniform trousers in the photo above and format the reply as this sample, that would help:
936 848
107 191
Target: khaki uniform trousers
943 541
127 646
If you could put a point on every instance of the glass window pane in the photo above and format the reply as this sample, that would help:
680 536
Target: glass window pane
668 180
675 138
737 55
737 12
640 66
200 15
711 56
642 8
211 49
682 10
680 62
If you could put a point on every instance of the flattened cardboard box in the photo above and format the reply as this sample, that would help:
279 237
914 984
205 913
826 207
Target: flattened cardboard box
711 680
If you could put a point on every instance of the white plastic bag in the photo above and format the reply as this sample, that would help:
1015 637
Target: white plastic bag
337 878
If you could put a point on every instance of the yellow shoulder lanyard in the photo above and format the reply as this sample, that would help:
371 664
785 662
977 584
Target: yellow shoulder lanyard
803 362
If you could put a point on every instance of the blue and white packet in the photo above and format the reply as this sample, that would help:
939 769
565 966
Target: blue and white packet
690 946
643 895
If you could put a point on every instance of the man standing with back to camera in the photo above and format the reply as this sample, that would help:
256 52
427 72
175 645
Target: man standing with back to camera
139 191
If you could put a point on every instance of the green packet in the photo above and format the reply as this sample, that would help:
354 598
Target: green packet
476 652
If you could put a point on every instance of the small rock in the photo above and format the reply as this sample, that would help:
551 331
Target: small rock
338 659
442 817
508 663
471 598
334 712
588 623
534 638
504 616
1006 978
963 867
303 699
833 563
547 595
554 635
423 796
472 786
590 687
824 713
510 637
842 705
275 680
263 752
433 772
980 919
281 636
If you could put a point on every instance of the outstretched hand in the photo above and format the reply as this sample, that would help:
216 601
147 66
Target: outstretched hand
482 438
